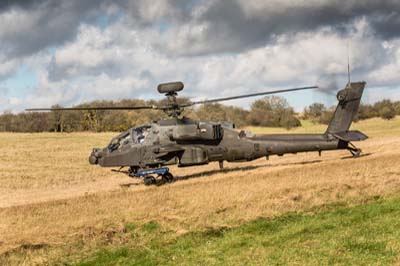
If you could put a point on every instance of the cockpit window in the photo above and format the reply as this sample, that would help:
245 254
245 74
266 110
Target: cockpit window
135 135
119 141
139 134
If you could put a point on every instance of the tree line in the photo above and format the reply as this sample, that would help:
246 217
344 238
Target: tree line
386 109
272 111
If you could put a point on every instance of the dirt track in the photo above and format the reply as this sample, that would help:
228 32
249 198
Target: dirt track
117 182
106 180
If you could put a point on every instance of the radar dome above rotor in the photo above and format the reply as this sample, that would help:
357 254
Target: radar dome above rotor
170 87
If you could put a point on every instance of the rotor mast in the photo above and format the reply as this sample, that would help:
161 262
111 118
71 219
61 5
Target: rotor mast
173 109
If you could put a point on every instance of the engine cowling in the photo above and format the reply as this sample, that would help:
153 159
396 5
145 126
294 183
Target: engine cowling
200 131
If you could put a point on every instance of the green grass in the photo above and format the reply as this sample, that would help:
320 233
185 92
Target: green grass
367 234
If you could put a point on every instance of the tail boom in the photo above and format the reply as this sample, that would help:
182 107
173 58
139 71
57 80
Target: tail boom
337 135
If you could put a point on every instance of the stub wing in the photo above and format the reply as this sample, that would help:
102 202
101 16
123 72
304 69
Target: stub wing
353 135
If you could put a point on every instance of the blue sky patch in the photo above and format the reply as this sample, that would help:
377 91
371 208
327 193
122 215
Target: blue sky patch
23 81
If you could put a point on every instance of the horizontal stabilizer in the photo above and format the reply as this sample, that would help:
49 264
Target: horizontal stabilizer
353 135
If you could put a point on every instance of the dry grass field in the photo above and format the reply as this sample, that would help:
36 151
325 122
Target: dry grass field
55 207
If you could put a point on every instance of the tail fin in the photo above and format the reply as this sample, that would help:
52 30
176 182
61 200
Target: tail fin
349 101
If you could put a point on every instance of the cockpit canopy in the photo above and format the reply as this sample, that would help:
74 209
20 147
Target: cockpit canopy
135 135
139 134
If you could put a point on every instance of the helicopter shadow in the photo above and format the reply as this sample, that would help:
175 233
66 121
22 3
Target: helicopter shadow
241 168
352 157
216 171
130 184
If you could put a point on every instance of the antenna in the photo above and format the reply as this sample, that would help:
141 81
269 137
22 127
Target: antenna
348 62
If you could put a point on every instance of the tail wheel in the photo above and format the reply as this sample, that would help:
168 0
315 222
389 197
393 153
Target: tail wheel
356 152
168 177
150 180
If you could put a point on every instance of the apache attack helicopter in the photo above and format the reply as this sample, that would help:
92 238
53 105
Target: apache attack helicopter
148 149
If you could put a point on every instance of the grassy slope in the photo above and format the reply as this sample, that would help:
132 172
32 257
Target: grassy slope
361 235
71 229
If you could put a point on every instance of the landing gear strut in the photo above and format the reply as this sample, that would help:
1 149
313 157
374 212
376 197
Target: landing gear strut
356 152
132 171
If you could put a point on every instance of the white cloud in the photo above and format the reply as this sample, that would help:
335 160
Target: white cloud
8 66
389 73
125 61
11 21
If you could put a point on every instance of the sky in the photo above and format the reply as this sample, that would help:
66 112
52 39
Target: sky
70 52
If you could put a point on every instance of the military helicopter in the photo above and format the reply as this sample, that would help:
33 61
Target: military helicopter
147 150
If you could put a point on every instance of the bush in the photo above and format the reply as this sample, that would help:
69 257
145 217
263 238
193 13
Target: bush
326 116
314 111
288 120
396 106
366 111
387 112
272 111
385 109
318 113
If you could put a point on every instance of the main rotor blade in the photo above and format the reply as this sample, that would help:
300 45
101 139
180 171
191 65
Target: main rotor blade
92 108
249 95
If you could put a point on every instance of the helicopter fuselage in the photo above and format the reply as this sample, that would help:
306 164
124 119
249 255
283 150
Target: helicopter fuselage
186 143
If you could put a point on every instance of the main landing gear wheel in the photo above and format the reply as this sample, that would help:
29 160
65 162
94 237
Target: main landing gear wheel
167 177
150 180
